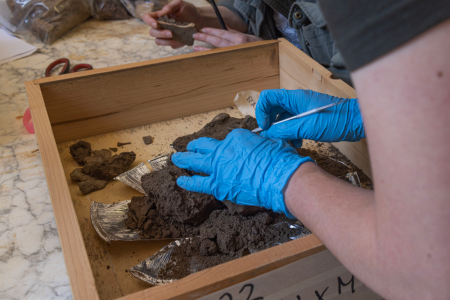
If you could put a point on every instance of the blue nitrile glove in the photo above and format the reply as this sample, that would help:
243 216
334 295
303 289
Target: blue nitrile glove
342 122
245 168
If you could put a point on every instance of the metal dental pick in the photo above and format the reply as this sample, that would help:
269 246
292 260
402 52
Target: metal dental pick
306 113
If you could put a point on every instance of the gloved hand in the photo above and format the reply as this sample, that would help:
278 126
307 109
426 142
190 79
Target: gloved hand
342 122
245 168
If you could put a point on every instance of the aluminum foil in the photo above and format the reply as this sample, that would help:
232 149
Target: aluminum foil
159 162
353 178
133 177
109 219
148 269
109 222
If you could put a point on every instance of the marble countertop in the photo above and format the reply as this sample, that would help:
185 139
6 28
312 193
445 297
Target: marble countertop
31 260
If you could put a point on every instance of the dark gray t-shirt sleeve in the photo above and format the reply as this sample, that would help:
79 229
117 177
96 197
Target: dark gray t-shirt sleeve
230 5
366 30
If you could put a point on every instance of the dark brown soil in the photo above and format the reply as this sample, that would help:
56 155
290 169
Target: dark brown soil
224 237
99 166
218 129
80 151
105 169
177 203
187 259
147 140
87 184
143 215
244 210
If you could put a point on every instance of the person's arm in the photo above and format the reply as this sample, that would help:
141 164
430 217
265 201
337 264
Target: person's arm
223 38
183 11
395 239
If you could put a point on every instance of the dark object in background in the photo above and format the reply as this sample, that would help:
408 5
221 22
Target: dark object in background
219 16
107 9
47 19
119 144
147 140
182 32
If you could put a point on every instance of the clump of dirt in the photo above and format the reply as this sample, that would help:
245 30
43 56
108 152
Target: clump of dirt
87 184
174 202
143 215
99 166
147 140
104 168
80 151
218 128
244 210
226 236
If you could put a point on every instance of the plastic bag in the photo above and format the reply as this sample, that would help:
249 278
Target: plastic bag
107 9
138 8
45 19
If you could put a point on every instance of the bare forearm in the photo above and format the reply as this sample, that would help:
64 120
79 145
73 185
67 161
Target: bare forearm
399 233
341 215
209 19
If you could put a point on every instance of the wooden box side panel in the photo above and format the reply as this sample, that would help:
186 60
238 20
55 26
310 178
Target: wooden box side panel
319 274
157 90
77 263
299 71
228 274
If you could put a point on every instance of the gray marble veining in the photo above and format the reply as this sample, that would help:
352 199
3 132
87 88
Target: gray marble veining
31 261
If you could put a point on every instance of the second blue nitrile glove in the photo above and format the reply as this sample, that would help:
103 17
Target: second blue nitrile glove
245 168
342 122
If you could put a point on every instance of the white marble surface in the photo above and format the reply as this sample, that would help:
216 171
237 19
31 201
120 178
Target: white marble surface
31 261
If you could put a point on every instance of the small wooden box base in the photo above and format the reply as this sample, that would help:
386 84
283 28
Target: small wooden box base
110 101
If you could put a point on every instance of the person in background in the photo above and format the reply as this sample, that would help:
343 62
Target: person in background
395 238
300 22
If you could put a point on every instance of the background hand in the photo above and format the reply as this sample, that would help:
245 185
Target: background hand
178 10
222 38
245 168
342 122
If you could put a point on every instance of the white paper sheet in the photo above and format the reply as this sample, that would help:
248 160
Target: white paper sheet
12 48
246 102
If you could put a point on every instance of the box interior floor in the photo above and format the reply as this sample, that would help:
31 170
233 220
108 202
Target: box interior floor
177 95
110 263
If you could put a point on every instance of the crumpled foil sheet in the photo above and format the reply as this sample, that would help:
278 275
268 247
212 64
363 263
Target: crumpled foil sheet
109 222
109 219
159 162
132 177
148 269
353 178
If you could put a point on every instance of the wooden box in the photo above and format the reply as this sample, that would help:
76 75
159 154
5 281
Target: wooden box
108 102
